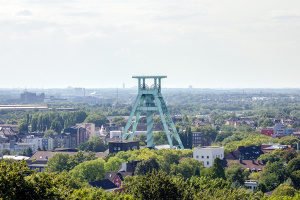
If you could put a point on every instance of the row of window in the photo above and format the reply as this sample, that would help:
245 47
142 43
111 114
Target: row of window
217 156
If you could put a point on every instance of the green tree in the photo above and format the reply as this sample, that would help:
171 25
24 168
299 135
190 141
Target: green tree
94 144
284 190
113 164
295 177
273 175
58 163
187 167
217 170
50 133
293 165
236 175
12 180
154 186
146 166
97 119
92 170
23 126
52 185
28 152
89 193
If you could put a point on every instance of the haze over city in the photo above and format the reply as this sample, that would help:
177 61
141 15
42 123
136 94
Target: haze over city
99 44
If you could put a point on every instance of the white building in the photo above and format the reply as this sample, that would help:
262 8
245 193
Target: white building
115 134
208 154
251 185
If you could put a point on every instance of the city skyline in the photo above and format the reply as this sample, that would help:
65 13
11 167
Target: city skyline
101 44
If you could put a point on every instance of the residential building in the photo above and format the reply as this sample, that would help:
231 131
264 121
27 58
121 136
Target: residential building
208 154
251 185
116 146
90 129
74 136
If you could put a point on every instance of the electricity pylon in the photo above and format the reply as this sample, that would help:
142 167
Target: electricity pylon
150 100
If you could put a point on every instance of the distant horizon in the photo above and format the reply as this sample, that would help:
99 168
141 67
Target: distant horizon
135 87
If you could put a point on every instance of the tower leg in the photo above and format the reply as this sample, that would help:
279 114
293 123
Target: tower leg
150 141
163 119
133 111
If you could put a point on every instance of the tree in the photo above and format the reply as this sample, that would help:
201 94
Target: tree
146 166
284 190
295 177
64 162
92 170
50 133
58 163
273 175
293 165
23 126
90 193
186 137
6 152
217 170
28 152
160 138
113 164
97 119
94 144
236 175
57 126
154 185
12 180
187 167
80 157
52 185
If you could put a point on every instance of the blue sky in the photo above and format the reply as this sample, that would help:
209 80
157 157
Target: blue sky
102 43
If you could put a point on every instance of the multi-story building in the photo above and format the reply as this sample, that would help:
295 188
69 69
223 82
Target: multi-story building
208 154
90 129
29 97
74 136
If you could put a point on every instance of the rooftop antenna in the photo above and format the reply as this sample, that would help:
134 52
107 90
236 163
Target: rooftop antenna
150 100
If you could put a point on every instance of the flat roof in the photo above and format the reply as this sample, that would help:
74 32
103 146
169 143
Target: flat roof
149 76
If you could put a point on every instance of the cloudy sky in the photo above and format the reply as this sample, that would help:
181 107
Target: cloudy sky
102 43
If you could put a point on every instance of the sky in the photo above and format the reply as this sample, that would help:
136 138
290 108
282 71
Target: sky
102 43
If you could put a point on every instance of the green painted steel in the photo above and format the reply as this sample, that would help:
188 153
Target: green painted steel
150 100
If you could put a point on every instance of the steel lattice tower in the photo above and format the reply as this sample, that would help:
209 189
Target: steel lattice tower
150 100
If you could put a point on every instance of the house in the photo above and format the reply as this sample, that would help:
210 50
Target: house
246 157
114 180
267 131
239 121
89 127
208 154
245 153
251 185
116 146
105 184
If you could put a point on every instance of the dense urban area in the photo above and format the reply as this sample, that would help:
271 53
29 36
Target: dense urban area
68 144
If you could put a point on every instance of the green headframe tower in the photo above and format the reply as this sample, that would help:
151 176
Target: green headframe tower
150 101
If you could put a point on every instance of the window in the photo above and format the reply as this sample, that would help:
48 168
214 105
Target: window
207 156
207 162
197 156
202 156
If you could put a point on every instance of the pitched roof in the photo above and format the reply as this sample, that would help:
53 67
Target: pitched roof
247 164
246 153
105 184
